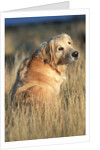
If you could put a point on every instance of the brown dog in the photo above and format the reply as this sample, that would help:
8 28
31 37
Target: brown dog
41 75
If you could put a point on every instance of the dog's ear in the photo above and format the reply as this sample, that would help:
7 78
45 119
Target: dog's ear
52 53
42 47
46 53
43 52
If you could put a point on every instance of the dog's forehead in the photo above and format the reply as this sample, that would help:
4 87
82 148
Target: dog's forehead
63 38
66 36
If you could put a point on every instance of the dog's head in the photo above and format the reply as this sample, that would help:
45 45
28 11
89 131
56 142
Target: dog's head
58 50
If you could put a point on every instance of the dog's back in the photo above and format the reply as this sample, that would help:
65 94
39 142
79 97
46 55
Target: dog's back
35 80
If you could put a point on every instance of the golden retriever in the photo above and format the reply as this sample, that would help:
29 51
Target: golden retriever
40 76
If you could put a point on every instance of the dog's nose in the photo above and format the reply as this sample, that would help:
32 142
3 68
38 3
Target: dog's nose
75 54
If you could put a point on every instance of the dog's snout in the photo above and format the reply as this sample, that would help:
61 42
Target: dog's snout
75 54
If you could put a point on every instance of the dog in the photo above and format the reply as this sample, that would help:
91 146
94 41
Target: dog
41 75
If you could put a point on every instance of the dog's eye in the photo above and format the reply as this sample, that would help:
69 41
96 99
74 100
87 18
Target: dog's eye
69 43
60 48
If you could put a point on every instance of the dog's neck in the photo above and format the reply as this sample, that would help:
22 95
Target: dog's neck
62 69
54 65
46 59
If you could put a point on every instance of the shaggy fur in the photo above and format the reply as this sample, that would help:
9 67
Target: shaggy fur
40 76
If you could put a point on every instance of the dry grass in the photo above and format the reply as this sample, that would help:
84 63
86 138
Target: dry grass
67 118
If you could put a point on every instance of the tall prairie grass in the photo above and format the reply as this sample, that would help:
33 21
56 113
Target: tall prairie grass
66 117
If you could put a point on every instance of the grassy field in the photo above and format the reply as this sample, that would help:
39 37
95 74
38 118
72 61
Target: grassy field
68 116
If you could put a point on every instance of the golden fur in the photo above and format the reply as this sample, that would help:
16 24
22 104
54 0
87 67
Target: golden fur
41 75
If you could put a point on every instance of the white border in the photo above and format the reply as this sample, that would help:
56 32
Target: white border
50 141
